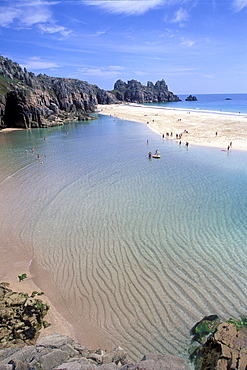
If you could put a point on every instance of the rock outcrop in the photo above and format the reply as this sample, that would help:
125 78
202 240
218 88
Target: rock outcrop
191 98
134 92
21 317
61 352
30 101
219 345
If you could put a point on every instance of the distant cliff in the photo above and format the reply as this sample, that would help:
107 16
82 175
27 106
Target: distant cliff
30 101
133 91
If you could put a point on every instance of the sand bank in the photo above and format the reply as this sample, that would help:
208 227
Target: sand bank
201 126
9 129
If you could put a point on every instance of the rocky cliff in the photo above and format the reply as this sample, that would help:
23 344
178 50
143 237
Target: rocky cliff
30 101
133 91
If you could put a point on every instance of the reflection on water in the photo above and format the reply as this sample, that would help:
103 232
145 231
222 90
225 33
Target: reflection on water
138 249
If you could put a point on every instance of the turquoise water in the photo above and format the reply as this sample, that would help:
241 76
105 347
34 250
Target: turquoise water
138 250
212 102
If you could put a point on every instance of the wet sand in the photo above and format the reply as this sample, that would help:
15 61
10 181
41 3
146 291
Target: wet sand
201 127
14 262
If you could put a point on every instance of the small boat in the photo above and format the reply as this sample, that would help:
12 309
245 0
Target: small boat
156 156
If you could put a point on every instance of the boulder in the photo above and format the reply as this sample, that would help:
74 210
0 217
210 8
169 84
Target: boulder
21 317
223 345
191 98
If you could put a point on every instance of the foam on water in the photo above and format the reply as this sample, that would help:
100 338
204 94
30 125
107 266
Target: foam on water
139 249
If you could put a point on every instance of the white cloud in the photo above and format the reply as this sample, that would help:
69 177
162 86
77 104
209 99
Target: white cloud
110 71
35 63
97 34
28 13
53 28
180 16
134 7
187 43
24 13
239 5
7 15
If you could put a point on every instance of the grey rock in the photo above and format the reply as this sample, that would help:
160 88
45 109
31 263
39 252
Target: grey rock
18 365
111 366
57 352
133 91
117 355
82 364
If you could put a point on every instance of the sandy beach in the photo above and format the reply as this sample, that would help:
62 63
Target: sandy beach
197 128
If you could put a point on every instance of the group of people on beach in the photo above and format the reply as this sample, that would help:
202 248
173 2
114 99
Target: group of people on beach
178 136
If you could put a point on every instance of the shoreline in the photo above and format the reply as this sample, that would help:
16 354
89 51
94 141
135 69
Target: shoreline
16 262
201 126
9 129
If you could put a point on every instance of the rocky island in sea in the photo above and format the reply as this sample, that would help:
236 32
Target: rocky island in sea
29 101
191 98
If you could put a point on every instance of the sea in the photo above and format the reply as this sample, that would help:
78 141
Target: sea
133 251
221 103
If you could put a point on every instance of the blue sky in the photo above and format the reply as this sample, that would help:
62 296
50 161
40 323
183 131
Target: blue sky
197 46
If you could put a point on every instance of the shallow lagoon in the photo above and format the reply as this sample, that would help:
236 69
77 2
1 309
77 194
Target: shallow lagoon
136 250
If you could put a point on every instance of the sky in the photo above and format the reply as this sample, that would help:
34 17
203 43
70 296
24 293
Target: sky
196 46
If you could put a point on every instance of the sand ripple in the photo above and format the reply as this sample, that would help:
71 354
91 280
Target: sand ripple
138 250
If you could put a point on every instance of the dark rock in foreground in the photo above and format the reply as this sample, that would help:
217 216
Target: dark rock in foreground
61 352
191 98
219 345
21 317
